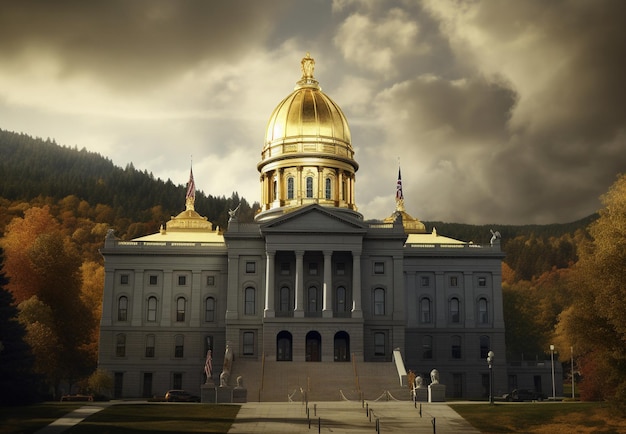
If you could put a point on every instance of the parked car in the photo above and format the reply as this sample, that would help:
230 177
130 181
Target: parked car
179 395
524 395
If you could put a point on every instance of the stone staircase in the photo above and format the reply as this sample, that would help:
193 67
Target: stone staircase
319 381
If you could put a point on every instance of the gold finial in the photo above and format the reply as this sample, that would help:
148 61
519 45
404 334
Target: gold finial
308 65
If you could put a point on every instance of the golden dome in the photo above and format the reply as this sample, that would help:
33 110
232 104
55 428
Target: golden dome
307 120
307 156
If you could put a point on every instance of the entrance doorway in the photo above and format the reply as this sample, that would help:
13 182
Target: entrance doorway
283 346
342 347
313 347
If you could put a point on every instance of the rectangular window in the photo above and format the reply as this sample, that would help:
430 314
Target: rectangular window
179 346
182 280
153 279
379 268
425 281
124 279
482 281
250 267
118 384
150 342
284 268
454 281
120 345
313 269
379 344
248 343
341 268
210 281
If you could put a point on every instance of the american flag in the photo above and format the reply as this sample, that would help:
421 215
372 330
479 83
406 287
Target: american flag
399 195
191 186
208 365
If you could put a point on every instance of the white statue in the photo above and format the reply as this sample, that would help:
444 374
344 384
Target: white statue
494 236
434 376
228 363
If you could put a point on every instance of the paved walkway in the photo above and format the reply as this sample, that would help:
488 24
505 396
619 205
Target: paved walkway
73 418
338 417
349 417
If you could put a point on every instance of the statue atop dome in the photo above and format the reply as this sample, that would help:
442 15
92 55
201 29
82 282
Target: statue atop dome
308 65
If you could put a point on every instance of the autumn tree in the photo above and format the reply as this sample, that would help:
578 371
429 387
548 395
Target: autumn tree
43 262
18 383
595 321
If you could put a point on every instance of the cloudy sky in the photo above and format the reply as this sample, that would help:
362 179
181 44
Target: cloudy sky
498 111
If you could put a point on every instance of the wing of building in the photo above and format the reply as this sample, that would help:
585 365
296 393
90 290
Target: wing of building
310 297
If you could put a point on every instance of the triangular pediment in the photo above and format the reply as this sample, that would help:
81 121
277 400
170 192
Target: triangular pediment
314 219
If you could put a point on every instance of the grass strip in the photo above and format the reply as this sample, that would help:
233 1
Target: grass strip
159 418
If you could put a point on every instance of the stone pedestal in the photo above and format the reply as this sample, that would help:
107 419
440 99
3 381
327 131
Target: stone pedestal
421 394
240 395
436 393
207 393
224 395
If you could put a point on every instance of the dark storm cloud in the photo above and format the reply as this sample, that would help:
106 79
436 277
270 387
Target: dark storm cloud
133 43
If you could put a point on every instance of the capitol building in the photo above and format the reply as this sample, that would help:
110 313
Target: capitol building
311 297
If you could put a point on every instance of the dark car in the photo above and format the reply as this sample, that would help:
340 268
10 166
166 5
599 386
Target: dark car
524 395
178 395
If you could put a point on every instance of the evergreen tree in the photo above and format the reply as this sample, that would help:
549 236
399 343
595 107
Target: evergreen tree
18 383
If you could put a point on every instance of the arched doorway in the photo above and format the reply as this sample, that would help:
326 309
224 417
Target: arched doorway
342 347
313 347
283 346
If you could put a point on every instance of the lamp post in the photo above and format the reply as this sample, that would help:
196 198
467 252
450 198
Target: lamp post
490 355
552 360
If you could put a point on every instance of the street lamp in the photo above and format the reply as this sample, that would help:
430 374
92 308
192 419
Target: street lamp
490 355
552 360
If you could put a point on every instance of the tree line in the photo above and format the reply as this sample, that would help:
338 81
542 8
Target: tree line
57 203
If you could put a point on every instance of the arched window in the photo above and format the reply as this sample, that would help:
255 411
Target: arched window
328 188
483 313
250 301
120 345
285 299
122 308
290 188
485 343
455 316
152 309
180 309
425 312
150 344
456 347
313 299
341 299
379 301
209 309
427 347
309 187
179 346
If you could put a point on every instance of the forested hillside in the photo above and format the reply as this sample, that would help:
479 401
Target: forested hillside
57 203
34 168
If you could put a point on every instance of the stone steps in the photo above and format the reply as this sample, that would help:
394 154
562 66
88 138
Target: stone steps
319 381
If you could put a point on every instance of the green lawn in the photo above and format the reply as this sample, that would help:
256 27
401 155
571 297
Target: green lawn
159 418
30 419
544 417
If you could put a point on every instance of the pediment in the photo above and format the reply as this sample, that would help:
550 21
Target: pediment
314 219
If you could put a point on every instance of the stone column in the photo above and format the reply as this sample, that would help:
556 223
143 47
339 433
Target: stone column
356 286
327 312
299 311
269 286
